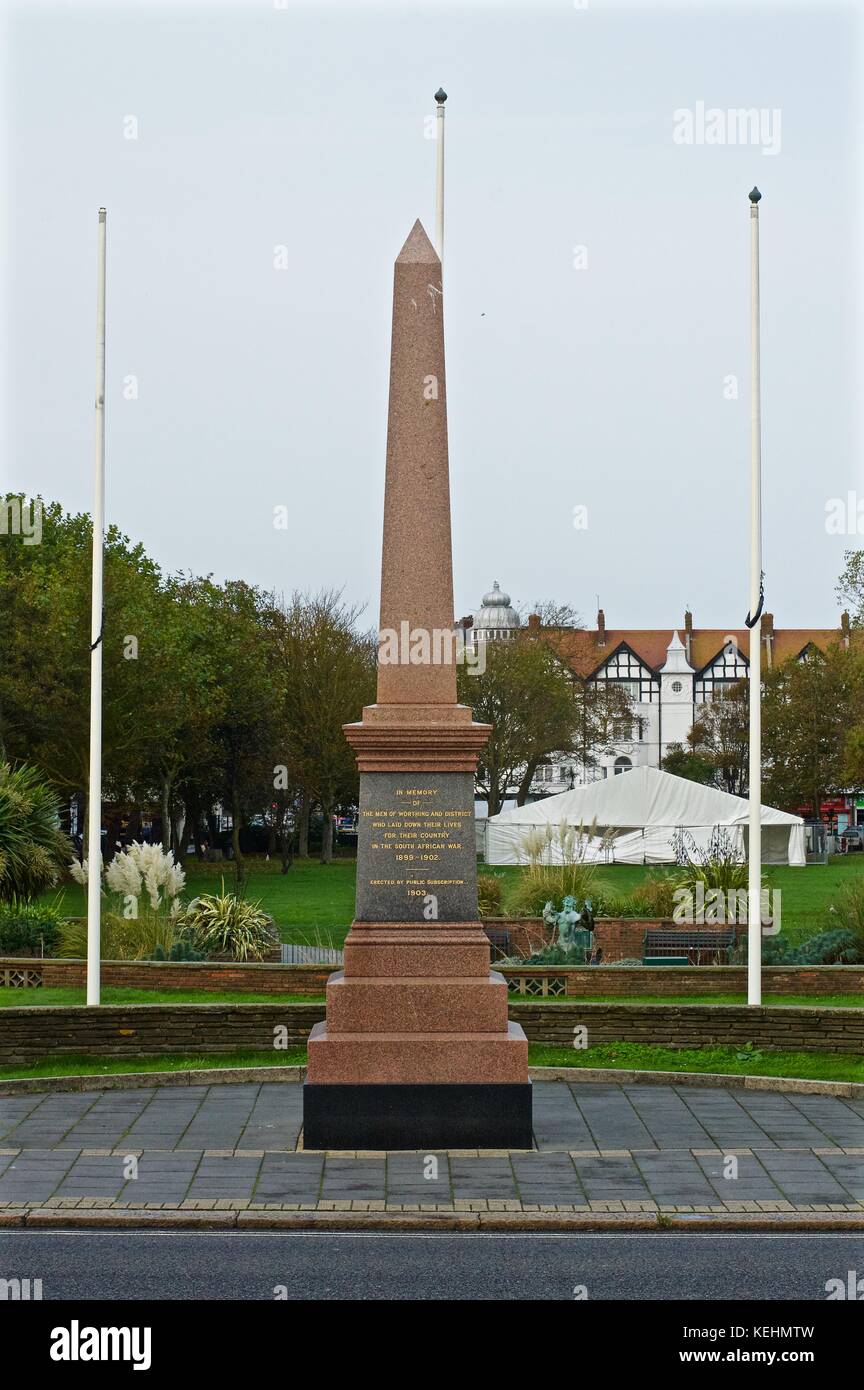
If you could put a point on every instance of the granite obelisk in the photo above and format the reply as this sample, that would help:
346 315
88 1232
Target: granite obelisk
417 1050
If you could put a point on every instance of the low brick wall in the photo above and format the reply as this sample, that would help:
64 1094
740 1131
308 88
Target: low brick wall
631 981
147 1030
696 1025
623 981
619 938
527 934
151 1030
236 976
622 938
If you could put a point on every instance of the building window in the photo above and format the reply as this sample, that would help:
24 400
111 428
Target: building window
622 765
625 669
729 668
677 687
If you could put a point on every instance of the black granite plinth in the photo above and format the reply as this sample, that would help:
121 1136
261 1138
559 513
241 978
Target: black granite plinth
432 1117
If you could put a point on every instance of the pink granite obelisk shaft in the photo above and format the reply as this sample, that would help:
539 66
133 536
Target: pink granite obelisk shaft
416 562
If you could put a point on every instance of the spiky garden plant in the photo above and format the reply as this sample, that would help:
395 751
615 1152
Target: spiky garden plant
220 924
33 848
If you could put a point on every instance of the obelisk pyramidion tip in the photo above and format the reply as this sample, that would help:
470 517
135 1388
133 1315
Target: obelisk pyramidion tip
755 195
418 247
440 96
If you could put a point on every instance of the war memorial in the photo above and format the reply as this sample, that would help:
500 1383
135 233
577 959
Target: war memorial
417 1050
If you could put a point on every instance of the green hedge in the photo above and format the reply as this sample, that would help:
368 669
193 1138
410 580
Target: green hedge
29 929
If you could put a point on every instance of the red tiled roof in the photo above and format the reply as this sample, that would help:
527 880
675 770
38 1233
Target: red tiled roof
584 655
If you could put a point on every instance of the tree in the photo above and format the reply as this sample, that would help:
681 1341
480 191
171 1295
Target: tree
326 674
526 694
604 719
188 707
850 586
682 762
805 720
720 739
852 757
240 624
553 614
45 598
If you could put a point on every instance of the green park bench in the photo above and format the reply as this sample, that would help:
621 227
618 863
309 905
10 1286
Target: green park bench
688 947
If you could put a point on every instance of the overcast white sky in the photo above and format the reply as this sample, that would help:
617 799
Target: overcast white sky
262 125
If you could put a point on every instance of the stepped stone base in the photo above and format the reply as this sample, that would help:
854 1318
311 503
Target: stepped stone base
417 1058
417 1049
412 1005
400 949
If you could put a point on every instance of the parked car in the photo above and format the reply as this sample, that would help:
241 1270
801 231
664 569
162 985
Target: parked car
851 838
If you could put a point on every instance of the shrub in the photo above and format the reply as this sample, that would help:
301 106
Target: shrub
653 898
122 938
139 869
145 883
33 848
528 896
721 864
556 866
29 930
656 896
488 895
848 911
614 905
180 951
225 925
836 947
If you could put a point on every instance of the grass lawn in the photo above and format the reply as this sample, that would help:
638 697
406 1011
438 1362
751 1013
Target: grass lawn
18 998
736 1061
733 1061
314 903
72 1065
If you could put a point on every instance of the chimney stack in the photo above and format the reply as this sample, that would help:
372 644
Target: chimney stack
845 628
767 628
533 622
601 628
688 635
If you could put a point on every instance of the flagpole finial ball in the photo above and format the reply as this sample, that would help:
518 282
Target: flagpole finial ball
755 195
440 96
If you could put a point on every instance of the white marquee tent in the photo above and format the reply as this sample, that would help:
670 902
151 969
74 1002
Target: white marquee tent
641 811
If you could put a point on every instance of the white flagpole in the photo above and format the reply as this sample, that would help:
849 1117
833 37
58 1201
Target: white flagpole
754 875
440 98
94 827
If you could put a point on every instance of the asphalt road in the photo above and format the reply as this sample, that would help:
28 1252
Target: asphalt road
308 1266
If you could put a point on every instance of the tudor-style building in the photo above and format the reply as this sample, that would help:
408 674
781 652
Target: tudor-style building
668 673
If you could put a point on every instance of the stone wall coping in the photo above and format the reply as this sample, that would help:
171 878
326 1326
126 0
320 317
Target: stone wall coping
673 970
230 1076
30 961
11 962
566 1002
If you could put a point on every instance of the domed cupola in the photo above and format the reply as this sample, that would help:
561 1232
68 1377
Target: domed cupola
496 619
